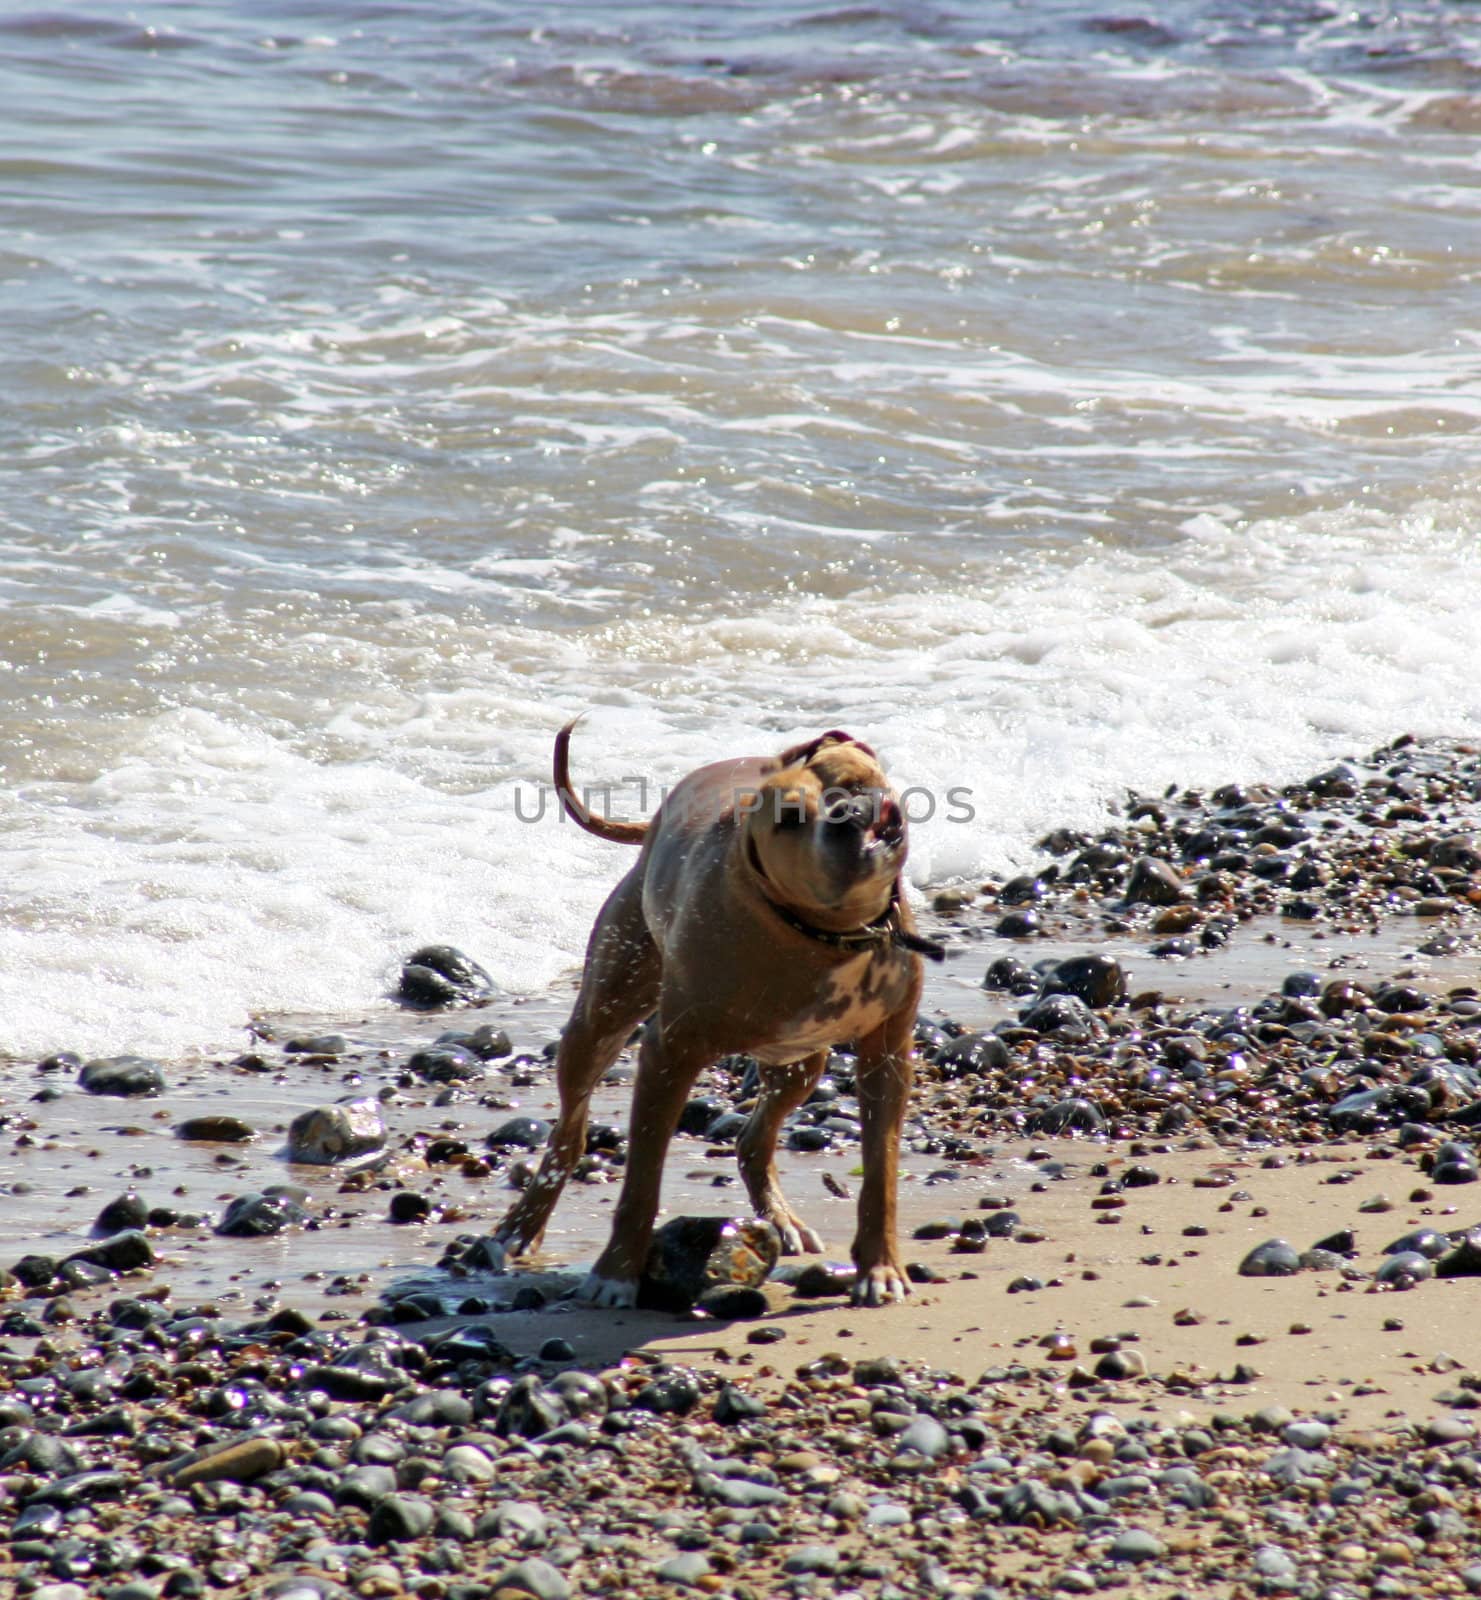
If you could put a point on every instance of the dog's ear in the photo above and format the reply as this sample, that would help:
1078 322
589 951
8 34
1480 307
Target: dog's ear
801 754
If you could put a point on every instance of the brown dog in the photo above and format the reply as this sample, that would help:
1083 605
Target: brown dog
763 916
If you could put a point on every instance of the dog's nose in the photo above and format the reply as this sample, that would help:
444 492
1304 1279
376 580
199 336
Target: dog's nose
854 812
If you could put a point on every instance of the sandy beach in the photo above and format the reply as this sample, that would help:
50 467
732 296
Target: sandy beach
1092 1390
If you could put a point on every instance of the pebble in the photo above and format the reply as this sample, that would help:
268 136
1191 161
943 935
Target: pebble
439 975
330 1135
123 1077
925 1437
255 1216
533 1577
1153 882
399 1517
685 1569
1273 1259
1136 1544
237 1462
217 1129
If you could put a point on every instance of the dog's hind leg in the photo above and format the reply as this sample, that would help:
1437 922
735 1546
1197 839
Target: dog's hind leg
618 989
783 1089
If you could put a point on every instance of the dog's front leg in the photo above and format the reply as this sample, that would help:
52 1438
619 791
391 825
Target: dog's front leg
666 1073
783 1089
882 1078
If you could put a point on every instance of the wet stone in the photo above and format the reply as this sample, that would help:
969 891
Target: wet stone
519 1133
440 975
34 1271
407 1206
318 1045
257 1216
1403 1269
690 1256
436 1408
1098 980
365 1486
123 1076
1062 1014
1301 985
43 1454
446 1063
1153 882
127 1211
123 1252
1275 1258
1464 1261
971 1054
237 1462
1023 890
1422 1241
1073 1115
215 1129
81 1488
673 1392
330 1135
1009 974
732 1303
818 1280
698 1114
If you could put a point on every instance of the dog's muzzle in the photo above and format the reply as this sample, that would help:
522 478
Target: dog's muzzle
874 820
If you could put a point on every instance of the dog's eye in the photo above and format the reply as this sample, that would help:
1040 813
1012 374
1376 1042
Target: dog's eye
790 817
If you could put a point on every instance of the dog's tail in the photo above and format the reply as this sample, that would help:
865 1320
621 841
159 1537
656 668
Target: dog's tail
575 808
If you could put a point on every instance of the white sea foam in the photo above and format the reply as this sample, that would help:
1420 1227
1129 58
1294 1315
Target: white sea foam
215 868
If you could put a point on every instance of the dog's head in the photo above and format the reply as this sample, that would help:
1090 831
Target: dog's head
825 831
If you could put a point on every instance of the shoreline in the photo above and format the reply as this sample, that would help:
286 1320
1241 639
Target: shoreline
1324 946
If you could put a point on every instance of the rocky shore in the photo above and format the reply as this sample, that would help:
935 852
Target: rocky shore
1190 1200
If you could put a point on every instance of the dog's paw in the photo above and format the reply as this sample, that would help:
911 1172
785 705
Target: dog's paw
879 1286
619 1294
797 1238
510 1237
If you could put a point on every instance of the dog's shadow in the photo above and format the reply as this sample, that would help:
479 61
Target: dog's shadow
533 1313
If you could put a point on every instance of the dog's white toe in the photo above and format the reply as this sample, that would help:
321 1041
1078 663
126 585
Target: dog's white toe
798 1239
880 1286
616 1293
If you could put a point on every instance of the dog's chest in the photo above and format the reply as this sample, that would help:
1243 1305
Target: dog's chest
847 1003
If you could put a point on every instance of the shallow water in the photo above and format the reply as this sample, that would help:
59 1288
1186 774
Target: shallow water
1060 399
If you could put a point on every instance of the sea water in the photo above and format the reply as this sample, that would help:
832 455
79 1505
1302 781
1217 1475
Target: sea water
1060 397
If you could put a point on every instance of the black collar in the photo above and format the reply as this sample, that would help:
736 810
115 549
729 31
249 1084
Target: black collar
884 930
